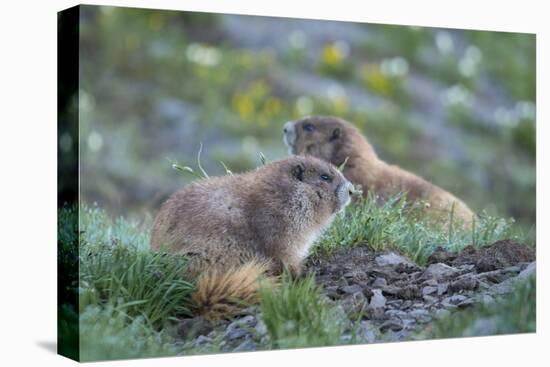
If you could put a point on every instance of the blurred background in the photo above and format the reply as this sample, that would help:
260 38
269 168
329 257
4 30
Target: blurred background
456 107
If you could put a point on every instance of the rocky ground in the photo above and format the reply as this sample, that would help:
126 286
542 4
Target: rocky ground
392 297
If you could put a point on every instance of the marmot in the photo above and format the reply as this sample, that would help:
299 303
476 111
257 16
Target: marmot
337 141
235 227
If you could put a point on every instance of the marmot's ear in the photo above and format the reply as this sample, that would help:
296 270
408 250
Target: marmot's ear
335 134
298 171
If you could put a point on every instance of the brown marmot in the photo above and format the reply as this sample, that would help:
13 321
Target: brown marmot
337 141
234 227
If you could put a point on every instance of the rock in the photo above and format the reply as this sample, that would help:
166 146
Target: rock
455 299
202 340
406 304
351 289
442 288
237 333
377 300
396 313
379 283
466 283
439 271
247 321
428 290
409 292
396 303
528 271
247 345
494 276
430 283
393 324
430 300
391 259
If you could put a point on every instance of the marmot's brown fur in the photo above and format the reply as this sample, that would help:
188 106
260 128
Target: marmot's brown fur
233 228
337 141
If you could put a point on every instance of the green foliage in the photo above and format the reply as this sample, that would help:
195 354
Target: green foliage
514 314
296 316
109 333
395 225
117 269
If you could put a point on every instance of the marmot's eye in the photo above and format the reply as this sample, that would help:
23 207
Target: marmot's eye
309 127
325 177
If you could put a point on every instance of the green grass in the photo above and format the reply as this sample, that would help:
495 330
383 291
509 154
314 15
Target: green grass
514 314
296 315
117 267
129 296
393 225
109 333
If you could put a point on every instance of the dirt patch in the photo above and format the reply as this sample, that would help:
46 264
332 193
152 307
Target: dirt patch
388 295
496 256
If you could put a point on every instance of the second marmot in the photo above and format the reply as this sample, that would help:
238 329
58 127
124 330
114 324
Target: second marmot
337 141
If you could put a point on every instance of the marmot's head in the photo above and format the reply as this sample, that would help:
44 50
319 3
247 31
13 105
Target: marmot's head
321 181
324 137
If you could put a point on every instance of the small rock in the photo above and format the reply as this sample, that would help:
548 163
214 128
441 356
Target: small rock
391 259
379 283
430 283
408 292
428 290
202 340
394 324
406 304
439 271
247 345
467 283
430 300
396 313
396 303
442 288
377 300
247 321
455 299
351 289
236 333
